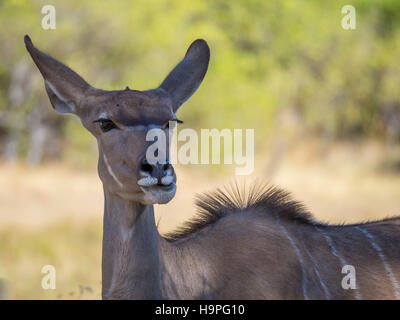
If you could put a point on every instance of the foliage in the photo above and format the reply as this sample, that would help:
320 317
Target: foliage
268 58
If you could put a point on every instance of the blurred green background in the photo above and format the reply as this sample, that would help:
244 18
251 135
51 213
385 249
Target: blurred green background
324 102
268 57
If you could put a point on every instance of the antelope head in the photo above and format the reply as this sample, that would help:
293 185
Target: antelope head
121 119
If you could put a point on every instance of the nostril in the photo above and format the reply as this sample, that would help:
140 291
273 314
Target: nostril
146 167
165 167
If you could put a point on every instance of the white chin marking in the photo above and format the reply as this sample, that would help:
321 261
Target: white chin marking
167 180
147 182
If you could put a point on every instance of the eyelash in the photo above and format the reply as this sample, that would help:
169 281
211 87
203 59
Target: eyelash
176 120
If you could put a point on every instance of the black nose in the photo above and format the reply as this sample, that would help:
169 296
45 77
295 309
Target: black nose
145 166
156 170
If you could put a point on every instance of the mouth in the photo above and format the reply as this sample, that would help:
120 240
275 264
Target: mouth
159 193
164 187
159 187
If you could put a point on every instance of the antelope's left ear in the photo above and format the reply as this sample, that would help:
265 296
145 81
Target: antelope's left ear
65 88
186 77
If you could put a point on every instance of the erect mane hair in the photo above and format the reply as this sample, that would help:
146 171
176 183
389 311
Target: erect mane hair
234 199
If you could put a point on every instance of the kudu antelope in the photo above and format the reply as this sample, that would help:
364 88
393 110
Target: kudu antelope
259 245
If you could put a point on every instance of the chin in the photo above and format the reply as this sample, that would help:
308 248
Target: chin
158 194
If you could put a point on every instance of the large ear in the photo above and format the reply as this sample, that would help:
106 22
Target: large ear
186 77
64 87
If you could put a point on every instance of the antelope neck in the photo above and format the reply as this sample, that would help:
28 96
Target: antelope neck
130 250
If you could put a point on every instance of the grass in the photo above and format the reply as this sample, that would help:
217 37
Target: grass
52 215
73 249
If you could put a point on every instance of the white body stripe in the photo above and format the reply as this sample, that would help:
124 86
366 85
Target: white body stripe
323 285
343 262
378 249
299 257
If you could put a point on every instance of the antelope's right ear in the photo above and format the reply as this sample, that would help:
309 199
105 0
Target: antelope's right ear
65 88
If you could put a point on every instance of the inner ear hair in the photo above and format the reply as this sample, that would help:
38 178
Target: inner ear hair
59 103
64 86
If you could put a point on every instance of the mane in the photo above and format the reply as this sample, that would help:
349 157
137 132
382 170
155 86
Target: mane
268 200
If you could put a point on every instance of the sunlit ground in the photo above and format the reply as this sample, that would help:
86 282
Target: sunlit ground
53 214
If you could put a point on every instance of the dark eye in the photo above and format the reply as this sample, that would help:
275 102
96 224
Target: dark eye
106 124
